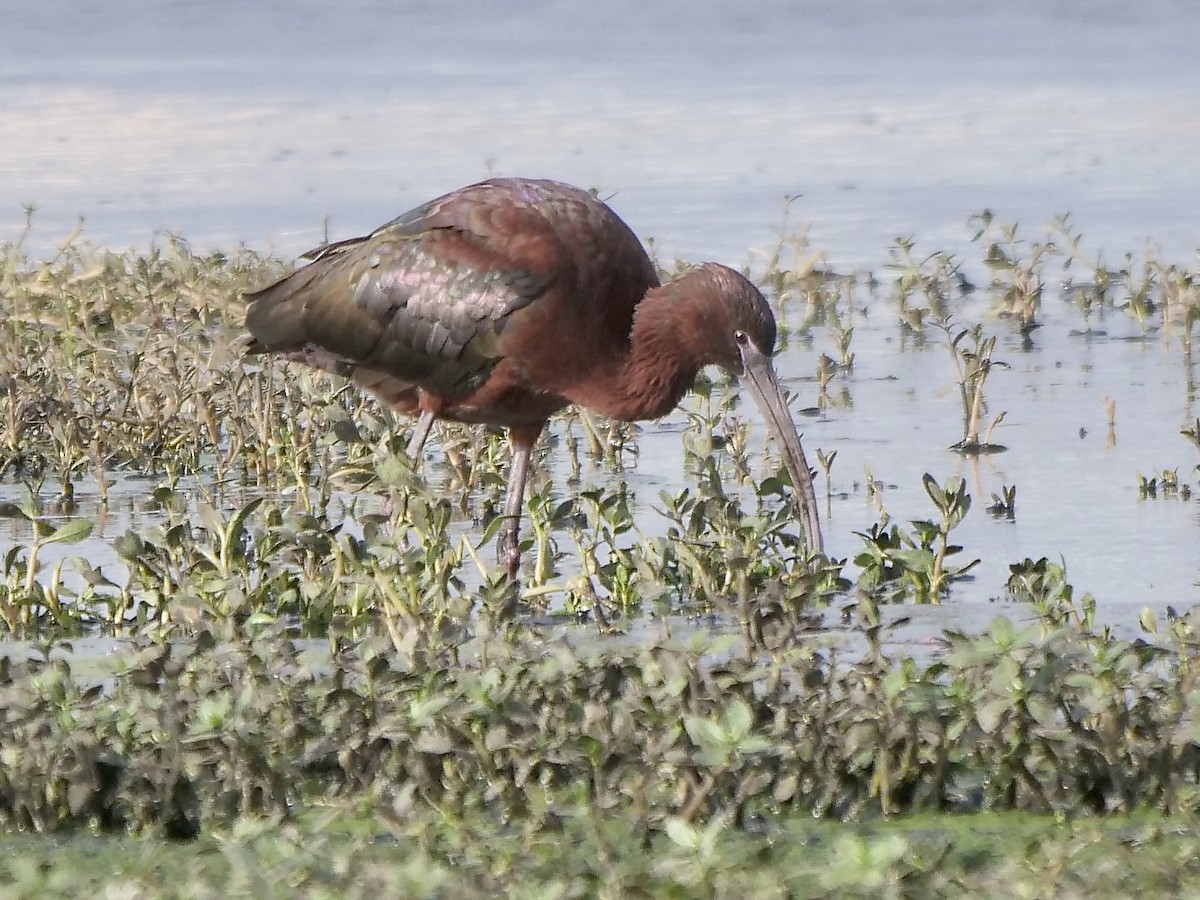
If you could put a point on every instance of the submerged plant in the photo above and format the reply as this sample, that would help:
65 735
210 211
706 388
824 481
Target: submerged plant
1044 585
924 287
973 364
897 564
1017 267
28 605
1004 504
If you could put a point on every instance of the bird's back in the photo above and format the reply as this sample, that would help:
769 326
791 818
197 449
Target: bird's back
526 280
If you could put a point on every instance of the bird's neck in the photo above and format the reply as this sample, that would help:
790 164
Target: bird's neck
648 378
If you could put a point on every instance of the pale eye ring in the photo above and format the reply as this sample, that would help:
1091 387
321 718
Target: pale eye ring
741 338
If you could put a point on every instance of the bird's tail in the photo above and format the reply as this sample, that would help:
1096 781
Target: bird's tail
276 314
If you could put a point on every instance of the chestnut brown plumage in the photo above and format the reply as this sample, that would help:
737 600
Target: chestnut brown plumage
505 301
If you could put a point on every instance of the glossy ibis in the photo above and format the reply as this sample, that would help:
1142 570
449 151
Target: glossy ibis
505 301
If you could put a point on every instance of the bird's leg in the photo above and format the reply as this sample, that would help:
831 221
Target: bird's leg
420 433
508 545
508 539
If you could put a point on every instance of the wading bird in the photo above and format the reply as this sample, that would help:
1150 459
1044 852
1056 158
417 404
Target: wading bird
508 300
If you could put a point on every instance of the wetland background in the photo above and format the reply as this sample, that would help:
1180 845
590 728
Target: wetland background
205 145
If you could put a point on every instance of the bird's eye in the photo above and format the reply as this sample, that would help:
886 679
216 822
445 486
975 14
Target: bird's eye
741 338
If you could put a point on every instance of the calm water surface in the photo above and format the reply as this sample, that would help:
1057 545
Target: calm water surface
229 122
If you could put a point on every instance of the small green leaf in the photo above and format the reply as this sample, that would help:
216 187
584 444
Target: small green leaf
496 738
683 834
1148 622
738 719
437 742
71 532
705 733
785 789
129 545
989 714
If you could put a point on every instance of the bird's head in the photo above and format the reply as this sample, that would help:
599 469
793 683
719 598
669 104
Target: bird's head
739 326
739 335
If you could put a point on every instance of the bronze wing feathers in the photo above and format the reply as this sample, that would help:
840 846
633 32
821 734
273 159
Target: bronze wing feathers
423 299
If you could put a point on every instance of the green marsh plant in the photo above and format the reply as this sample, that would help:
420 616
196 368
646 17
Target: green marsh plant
1017 266
923 288
897 565
29 605
1004 504
971 353
1043 584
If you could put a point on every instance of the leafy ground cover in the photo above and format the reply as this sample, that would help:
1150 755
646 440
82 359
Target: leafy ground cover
341 854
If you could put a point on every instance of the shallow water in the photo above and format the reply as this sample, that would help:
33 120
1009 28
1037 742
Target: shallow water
229 122
897 414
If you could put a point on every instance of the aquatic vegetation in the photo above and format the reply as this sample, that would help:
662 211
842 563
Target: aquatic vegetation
793 271
235 722
305 627
27 604
127 364
842 334
1004 504
897 565
937 278
1167 482
973 364
1017 267
1043 584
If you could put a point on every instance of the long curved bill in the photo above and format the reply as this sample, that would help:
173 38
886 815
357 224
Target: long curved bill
759 375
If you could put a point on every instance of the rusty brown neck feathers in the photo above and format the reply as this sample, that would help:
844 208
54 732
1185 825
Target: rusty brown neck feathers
670 342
